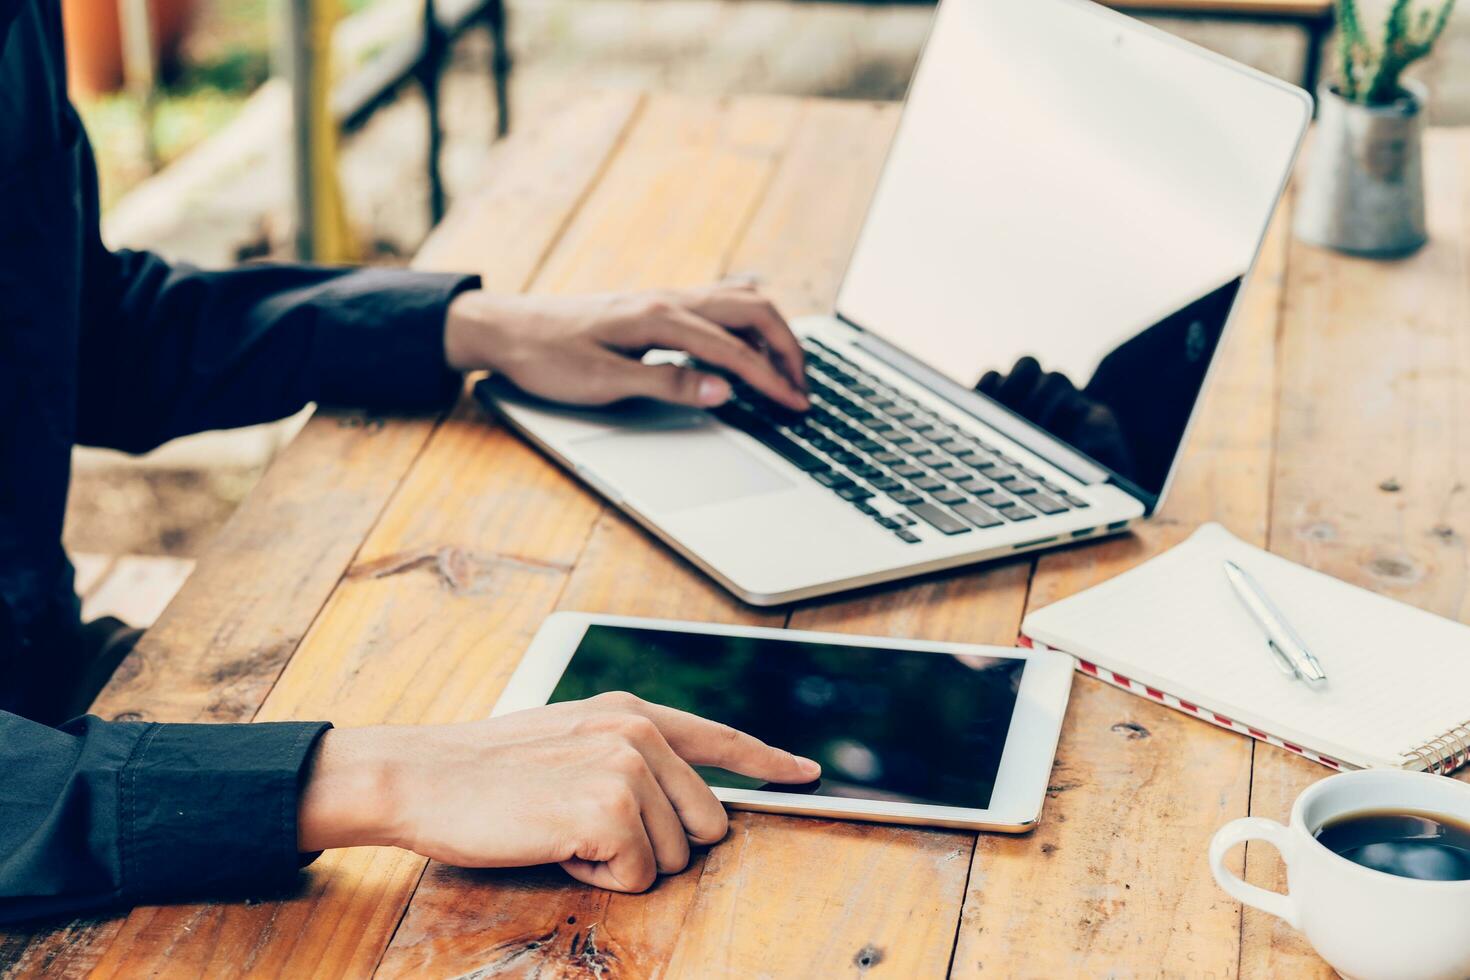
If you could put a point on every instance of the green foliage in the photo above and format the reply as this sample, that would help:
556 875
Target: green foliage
1370 69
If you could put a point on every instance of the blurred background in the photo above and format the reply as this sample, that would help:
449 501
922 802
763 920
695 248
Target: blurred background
190 106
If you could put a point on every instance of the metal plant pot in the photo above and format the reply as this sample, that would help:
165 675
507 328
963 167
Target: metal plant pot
1363 190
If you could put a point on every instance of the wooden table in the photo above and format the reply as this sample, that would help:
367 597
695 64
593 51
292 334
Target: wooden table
394 570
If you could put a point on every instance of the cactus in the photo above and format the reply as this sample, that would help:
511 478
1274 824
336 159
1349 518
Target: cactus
1369 72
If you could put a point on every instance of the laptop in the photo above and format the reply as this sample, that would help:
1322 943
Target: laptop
1059 239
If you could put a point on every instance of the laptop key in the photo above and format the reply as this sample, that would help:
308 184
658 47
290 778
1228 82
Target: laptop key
906 497
886 483
977 515
793 452
1022 487
904 534
928 483
951 471
940 520
949 497
827 478
1046 503
909 470
854 492
889 458
1074 501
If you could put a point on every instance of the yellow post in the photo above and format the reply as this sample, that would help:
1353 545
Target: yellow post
332 238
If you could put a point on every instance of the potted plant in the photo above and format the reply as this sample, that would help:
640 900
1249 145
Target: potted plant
1364 188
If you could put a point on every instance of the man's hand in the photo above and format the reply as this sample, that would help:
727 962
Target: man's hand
587 350
603 787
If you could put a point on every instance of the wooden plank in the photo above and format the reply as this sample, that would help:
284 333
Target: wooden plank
138 589
1374 460
446 593
221 647
1137 788
798 243
522 922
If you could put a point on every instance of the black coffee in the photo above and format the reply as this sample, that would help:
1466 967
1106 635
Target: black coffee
1407 843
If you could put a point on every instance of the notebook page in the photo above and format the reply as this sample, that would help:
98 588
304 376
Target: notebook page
1397 676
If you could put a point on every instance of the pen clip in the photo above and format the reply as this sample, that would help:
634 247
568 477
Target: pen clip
1283 661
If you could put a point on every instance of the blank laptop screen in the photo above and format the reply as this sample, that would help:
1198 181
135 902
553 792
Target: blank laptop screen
1066 216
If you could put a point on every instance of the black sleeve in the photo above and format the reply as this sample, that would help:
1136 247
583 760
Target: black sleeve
168 349
100 813
165 350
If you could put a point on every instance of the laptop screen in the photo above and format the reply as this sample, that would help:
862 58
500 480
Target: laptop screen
1065 218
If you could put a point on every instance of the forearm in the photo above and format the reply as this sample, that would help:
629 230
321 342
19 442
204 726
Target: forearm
349 791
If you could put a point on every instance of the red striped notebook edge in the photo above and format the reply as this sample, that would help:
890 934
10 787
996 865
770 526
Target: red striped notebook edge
1194 710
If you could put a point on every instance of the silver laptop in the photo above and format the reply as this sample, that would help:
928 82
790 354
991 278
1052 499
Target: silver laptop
1058 241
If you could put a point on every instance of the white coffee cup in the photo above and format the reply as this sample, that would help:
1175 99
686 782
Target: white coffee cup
1368 924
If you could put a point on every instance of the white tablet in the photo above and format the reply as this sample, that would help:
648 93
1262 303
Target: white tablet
907 731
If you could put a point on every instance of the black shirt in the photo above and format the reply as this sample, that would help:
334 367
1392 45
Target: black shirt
122 349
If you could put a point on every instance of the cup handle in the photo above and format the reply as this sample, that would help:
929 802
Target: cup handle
1248 829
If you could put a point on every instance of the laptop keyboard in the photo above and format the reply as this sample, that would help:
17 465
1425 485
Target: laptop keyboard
870 444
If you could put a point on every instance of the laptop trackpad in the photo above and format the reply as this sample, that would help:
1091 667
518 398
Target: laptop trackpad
675 470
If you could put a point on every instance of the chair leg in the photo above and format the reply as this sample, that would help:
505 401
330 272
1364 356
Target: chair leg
499 64
1317 31
430 65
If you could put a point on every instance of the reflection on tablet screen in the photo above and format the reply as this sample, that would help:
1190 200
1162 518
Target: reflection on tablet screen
885 724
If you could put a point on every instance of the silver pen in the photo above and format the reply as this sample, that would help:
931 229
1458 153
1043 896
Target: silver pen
1291 654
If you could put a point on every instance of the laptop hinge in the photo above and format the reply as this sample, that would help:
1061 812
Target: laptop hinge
992 413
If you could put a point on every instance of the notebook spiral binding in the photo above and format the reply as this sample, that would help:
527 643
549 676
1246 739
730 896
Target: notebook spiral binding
1445 753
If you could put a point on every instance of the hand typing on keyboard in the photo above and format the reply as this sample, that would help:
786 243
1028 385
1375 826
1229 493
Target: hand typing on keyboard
588 350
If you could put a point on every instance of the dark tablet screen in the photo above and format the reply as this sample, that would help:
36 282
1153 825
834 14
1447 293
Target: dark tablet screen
885 724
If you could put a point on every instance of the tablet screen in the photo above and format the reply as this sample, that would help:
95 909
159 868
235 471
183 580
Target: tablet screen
896 725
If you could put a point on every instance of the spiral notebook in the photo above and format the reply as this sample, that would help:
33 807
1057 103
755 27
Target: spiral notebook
1398 678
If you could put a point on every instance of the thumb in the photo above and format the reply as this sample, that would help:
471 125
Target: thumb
674 383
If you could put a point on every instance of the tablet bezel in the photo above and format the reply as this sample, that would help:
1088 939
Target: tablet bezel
1026 760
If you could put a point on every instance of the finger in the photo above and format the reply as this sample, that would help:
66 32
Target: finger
661 823
677 328
621 856
709 743
741 306
701 816
595 873
667 382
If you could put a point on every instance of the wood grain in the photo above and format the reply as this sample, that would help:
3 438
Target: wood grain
681 150
798 243
1114 879
624 571
449 540
1373 461
245 610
